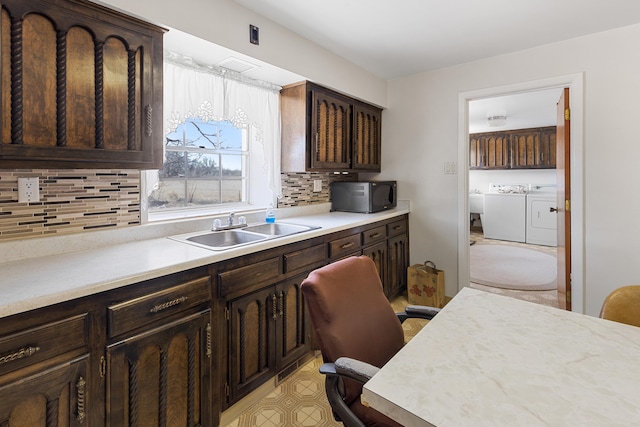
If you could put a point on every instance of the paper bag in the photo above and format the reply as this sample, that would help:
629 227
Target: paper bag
425 285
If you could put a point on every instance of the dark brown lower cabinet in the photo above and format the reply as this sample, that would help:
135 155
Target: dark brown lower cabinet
162 377
378 253
266 334
398 247
55 396
178 349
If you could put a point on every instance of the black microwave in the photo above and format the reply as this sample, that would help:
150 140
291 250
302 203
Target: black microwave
363 196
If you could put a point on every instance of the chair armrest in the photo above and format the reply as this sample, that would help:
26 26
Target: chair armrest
418 312
344 367
350 368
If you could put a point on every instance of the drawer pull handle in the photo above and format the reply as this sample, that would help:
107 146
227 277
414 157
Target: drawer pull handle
81 387
346 245
22 353
167 304
397 227
374 235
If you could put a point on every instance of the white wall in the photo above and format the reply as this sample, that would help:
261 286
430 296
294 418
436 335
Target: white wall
420 133
480 179
226 23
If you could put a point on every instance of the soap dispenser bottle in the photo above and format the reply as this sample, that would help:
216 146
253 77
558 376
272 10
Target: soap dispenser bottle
270 215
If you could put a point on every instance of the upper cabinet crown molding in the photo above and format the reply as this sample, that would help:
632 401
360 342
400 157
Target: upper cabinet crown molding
323 130
80 87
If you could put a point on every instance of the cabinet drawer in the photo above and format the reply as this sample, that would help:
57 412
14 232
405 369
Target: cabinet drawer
397 227
341 247
132 314
308 257
374 235
248 276
42 342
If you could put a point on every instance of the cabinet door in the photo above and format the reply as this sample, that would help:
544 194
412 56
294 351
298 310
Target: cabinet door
524 146
489 151
53 397
547 148
81 87
398 264
251 332
330 131
162 377
291 337
366 138
378 253
534 148
476 152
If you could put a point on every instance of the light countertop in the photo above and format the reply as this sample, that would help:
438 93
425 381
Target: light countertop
71 267
490 360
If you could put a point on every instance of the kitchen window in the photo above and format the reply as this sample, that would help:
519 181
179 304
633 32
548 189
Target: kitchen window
222 143
205 164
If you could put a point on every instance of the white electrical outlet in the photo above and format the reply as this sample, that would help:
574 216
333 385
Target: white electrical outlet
28 190
317 185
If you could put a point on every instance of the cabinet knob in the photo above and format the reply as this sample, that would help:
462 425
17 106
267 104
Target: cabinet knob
553 209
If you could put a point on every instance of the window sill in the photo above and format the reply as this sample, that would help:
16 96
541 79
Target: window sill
176 214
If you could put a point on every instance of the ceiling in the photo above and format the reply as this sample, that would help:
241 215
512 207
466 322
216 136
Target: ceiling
405 37
394 39
522 110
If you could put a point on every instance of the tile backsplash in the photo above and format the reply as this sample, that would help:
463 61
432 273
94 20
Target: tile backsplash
71 201
79 200
297 188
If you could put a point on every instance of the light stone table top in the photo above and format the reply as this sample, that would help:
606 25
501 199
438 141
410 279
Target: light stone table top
490 360
76 266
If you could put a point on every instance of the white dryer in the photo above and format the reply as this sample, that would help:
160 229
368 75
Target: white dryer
541 221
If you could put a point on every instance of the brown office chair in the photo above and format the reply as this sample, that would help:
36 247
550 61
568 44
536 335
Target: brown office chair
357 332
623 305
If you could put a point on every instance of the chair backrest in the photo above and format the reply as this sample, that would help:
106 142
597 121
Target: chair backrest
623 305
351 316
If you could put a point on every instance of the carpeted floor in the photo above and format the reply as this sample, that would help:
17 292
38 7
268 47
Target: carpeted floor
300 399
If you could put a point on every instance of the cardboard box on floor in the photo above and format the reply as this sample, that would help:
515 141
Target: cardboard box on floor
425 285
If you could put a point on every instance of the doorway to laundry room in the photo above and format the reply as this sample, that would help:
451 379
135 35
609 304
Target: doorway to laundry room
512 182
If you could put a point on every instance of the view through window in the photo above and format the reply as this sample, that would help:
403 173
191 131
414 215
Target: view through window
205 164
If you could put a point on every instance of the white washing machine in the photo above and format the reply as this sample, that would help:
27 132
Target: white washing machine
542 225
505 213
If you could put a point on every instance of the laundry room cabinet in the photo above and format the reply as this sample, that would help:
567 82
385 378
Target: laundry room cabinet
533 148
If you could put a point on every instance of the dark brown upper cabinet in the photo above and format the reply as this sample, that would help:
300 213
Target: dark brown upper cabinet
80 87
533 148
323 130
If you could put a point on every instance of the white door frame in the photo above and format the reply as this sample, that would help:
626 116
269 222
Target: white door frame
575 82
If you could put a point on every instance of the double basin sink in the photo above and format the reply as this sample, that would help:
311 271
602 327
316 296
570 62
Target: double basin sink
232 238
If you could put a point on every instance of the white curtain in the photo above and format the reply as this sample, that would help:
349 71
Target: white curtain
212 93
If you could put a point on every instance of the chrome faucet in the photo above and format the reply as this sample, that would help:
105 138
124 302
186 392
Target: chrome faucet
217 223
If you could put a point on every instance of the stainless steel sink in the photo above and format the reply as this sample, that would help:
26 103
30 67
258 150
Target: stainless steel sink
228 239
224 239
278 229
